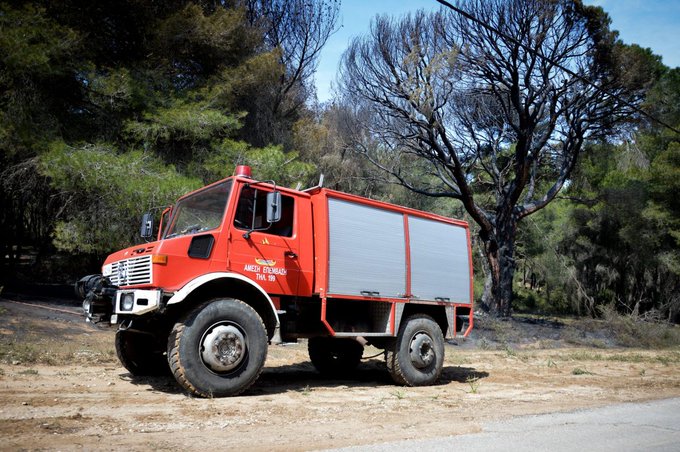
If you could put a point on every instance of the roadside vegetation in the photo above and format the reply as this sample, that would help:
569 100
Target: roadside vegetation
612 330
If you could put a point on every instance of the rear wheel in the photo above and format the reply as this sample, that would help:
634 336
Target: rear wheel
140 353
417 356
219 349
335 356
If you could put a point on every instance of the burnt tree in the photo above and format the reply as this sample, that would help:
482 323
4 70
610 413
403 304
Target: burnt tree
493 113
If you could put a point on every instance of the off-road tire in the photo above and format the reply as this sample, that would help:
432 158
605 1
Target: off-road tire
186 344
141 354
334 356
417 329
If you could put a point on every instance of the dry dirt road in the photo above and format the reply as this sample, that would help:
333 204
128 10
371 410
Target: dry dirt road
61 388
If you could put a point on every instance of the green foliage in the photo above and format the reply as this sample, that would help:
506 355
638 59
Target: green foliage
624 243
114 90
268 163
614 245
110 108
220 38
107 192
618 243
662 102
545 280
31 43
35 55
182 121
664 186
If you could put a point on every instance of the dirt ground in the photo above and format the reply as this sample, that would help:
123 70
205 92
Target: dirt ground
61 388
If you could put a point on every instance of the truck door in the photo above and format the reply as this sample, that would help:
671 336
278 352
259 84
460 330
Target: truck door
268 254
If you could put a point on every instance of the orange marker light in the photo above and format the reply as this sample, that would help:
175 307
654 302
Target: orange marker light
160 259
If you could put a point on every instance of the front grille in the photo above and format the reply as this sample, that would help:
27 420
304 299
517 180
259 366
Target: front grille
130 272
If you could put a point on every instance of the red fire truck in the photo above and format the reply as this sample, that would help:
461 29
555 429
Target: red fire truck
241 263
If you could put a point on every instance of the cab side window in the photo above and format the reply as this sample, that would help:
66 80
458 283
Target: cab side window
251 213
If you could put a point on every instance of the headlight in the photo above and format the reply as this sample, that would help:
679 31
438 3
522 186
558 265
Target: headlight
127 302
107 270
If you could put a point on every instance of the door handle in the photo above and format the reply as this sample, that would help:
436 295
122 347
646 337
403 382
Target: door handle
290 254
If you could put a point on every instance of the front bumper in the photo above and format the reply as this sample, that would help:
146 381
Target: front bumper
137 301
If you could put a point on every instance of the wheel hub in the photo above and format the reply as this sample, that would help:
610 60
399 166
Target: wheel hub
223 348
421 350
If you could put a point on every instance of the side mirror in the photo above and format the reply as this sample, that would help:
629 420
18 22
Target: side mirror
273 207
146 230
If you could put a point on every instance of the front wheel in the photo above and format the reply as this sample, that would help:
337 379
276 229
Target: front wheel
140 353
219 349
416 357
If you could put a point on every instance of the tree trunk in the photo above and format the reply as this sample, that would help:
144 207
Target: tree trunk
500 255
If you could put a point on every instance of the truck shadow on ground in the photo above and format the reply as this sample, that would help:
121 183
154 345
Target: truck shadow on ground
301 377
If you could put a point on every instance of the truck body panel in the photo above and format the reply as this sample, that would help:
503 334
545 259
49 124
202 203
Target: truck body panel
435 249
371 249
366 250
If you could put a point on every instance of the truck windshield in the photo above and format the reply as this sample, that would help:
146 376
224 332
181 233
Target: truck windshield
199 212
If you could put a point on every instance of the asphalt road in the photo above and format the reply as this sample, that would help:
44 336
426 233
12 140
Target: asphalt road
650 426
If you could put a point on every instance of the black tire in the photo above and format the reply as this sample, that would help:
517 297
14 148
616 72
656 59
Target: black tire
218 349
141 354
334 356
417 356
